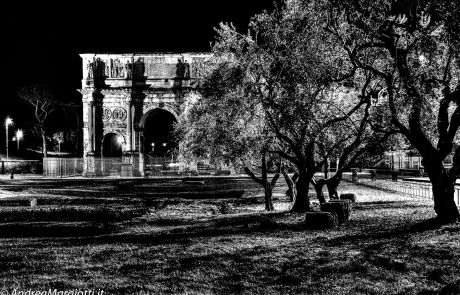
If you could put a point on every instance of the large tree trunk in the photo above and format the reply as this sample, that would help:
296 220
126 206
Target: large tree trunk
333 184
443 192
291 192
302 201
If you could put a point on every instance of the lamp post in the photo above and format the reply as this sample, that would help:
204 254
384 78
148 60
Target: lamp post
8 121
19 136
164 150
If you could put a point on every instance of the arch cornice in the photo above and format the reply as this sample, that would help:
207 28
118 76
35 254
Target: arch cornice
117 91
86 91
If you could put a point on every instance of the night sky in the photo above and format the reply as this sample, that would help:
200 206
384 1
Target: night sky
41 42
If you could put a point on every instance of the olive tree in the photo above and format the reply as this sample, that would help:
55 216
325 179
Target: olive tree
415 45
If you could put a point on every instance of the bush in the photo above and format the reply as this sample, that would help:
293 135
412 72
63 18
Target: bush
351 197
321 220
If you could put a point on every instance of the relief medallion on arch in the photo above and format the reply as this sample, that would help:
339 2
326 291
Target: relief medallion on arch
119 114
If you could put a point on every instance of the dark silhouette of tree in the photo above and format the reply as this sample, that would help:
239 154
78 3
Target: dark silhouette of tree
44 99
415 49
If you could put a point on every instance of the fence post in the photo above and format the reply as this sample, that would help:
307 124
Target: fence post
394 176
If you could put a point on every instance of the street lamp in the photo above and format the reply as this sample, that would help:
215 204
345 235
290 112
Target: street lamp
8 121
19 136
59 143
164 150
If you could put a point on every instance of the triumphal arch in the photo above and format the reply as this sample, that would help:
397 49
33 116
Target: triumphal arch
130 102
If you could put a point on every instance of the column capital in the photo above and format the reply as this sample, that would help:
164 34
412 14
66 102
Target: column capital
86 91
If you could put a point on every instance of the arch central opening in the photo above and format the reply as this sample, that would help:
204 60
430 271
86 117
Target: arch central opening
112 145
158 140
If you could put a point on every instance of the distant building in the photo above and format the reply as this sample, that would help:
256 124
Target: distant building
406 160
130 102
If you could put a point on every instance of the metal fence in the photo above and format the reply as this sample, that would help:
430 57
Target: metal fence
416 189
62 167
149 167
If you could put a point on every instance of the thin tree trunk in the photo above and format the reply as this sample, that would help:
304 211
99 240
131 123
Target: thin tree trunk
44 142
326 168
318 185
332 186
291 192
268 186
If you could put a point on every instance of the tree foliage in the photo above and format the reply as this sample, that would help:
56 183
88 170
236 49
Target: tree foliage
278 89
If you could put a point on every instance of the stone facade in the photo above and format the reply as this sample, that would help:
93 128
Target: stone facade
121 90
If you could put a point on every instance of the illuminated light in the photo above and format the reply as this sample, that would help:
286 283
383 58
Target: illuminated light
120 140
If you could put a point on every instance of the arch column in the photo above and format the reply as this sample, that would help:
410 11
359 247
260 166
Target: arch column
88 167
129 125
88 132
141 157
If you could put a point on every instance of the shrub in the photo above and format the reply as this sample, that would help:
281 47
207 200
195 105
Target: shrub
321 220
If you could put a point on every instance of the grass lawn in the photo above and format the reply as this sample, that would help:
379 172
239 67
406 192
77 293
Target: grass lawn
194 245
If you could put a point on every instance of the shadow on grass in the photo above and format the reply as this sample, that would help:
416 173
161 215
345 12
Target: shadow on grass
53 229
223 226
418 227
386 205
